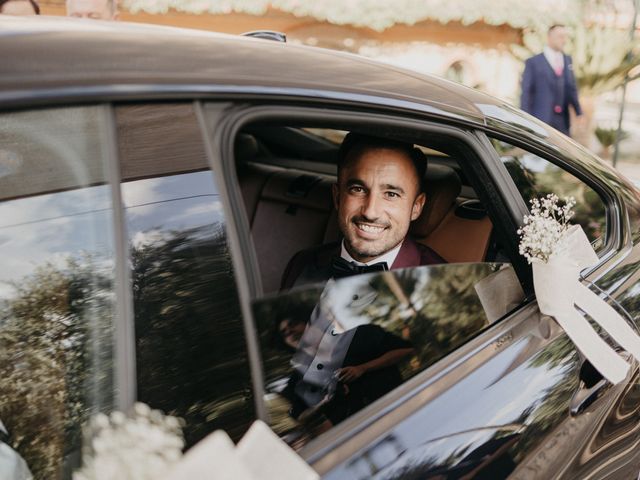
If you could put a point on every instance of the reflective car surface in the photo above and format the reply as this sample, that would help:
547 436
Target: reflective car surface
154 184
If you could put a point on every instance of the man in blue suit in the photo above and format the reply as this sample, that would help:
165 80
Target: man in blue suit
548 84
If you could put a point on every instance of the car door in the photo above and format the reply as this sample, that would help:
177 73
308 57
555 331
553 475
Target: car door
518 401
497 404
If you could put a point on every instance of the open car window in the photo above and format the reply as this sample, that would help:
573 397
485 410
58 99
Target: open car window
331 350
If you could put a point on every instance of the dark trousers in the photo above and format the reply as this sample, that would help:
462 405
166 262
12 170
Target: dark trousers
560 123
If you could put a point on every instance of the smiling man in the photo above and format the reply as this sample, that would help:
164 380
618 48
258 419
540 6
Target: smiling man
378 194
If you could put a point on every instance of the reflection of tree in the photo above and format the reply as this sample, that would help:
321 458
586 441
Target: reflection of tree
191 359
55 360
559 358
447 311
589 208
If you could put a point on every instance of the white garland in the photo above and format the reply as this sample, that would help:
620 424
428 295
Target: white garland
379 14
542 232
142 446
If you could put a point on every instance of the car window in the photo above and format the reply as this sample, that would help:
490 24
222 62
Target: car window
409 318
190 343
536 177
56 284
331 350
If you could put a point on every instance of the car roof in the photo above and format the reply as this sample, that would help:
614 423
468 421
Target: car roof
56 51
44 57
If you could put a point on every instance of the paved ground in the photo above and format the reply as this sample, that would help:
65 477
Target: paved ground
630 170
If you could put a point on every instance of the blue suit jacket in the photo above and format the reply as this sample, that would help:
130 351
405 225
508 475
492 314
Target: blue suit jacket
538 84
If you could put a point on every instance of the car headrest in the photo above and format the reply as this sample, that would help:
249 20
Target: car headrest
298 188
245 148
442 187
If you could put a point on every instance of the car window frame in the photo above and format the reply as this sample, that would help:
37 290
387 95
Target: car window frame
617 242
222 132
123 343
242 114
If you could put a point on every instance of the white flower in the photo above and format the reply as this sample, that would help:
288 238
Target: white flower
141 447
542 232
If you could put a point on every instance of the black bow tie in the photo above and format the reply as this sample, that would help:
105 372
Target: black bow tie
343 268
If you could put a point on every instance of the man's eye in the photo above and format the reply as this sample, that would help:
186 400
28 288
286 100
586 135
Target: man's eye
356 189
393 194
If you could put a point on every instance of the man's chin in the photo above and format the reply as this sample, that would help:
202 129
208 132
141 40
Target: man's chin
366 253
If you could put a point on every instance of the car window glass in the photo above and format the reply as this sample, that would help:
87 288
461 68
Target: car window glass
56 285
331 350
536 177
190 344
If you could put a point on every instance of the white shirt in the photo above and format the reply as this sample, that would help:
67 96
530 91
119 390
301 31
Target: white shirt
388 257
554 57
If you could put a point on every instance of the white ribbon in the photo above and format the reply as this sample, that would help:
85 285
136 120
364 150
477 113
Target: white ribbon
259 455
559 291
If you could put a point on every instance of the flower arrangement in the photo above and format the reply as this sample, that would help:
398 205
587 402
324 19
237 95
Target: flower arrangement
543 230
142 446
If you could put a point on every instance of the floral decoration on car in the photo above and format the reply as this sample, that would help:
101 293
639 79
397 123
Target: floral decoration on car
559 253
543 230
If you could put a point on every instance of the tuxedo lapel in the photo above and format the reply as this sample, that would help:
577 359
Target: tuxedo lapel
408 256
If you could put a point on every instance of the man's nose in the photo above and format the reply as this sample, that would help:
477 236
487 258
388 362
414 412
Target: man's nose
371 207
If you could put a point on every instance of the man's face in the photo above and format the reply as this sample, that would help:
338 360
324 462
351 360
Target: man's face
291 332
557 38
377 197
96 9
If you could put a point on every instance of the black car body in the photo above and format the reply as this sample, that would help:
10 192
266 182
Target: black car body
154 183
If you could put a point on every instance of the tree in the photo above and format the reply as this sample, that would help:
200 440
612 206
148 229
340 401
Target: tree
55 359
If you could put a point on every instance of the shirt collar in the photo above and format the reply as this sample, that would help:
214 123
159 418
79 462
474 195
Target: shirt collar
388 257
552 55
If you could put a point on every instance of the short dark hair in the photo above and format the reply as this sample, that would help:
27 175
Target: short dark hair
34 4
358 142
554 26
294 313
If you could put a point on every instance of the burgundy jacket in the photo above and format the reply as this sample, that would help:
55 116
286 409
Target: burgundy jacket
313 265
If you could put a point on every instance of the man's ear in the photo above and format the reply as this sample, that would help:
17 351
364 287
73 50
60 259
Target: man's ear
418 205
335 192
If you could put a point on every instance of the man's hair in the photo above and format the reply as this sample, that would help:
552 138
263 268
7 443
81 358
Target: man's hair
358 142
294 313
554 26
34 4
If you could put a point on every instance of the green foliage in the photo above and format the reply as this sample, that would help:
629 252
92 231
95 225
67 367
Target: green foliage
536 178
55 360
190 343
607 136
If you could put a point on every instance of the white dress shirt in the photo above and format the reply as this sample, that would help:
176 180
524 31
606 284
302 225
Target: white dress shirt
388 257
554 57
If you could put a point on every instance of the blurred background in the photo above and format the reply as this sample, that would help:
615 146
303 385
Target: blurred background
479 43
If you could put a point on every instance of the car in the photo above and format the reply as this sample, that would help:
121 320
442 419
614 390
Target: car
156 181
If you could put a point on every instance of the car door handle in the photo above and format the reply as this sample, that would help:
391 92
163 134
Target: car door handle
584 397
592 386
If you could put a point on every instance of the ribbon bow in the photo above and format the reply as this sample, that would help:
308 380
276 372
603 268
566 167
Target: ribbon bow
559 291
343 268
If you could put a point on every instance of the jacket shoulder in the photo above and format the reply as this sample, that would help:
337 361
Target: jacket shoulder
317 257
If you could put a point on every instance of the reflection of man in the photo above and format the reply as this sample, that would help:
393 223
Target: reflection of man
548 84
96 9
338 374
378 194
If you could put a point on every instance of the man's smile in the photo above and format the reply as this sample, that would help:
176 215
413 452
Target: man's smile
370 230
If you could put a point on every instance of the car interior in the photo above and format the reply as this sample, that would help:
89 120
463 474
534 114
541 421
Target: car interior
285 175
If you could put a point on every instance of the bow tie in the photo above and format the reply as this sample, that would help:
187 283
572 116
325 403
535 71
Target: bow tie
343 268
